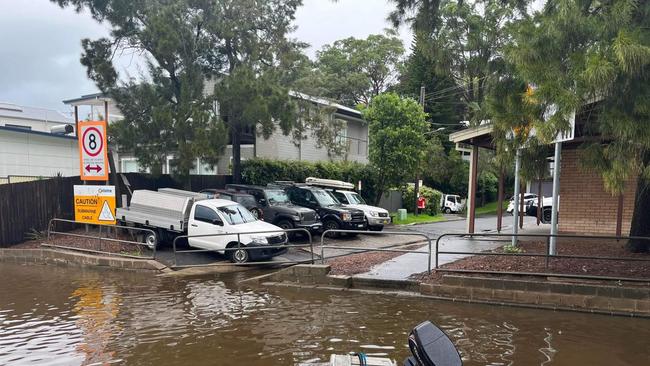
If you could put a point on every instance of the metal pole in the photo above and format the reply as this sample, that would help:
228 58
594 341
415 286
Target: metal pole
429 254
515 212
500 202
473 183
556 194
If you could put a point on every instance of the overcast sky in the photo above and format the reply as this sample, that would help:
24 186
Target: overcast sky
40 44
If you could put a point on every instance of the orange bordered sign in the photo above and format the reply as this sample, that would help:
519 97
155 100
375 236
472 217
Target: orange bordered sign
93 151
94 204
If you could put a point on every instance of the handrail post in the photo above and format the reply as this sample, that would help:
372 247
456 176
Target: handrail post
154 247
311 246
322 249
174 248
100 237
437 248
547 252
429 264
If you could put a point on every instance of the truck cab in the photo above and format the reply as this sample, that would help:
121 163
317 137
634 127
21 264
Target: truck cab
218 216
451 203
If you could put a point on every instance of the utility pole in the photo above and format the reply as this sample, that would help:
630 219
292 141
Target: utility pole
417 174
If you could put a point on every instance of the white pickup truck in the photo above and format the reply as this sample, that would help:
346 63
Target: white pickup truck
174 213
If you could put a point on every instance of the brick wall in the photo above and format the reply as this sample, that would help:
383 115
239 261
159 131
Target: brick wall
585 206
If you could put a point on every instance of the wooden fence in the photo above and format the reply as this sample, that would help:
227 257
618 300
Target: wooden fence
30 205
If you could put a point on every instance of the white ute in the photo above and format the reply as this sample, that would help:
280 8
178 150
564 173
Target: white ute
376 217
173 213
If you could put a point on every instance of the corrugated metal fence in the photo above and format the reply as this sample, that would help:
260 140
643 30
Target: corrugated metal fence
30 205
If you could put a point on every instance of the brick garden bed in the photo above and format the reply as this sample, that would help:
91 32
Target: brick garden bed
90 243
574 266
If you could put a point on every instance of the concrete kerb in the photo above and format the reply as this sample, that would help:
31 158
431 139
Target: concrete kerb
521 293
66 257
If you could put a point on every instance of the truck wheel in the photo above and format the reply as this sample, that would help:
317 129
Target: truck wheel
257 214
447 210
151 240
238 255
332 225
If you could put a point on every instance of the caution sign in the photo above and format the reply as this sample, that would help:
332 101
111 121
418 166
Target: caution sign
94 204
93 152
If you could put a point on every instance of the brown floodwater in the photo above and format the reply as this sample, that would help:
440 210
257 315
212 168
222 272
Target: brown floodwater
69 316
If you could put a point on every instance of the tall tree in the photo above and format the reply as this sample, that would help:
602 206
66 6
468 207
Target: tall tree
240 46
576 52
397 126
352 71
465 39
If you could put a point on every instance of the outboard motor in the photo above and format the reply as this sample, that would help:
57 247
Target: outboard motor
430 346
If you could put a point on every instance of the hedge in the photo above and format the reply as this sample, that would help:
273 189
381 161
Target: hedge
264 171
431 195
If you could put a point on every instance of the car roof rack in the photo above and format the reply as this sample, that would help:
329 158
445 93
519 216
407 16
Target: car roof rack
329 183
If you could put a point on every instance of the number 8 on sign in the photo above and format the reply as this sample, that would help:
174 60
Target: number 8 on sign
93 141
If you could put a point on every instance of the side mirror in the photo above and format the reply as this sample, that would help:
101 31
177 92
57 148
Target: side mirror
261 202
217 222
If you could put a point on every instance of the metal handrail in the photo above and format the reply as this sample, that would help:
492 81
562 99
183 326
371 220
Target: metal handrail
546 255
100 239
310 244
409 233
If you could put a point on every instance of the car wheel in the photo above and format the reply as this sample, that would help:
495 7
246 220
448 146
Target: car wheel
447 210
332 225
238 255
286 225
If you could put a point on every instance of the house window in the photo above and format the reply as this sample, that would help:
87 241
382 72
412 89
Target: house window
130 165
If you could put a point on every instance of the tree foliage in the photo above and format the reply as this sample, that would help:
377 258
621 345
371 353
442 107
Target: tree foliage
238 46
353 71
397 126
593 56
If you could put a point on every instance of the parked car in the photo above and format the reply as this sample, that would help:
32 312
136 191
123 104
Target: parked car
243 199
278 209
547 209
376 217
451 203
333 214
528 199
172 214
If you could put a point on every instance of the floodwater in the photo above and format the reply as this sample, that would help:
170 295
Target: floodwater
69 316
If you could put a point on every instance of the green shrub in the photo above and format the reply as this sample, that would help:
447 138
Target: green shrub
431 195
264 171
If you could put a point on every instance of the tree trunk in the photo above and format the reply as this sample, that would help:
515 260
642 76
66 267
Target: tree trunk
236 154
641 217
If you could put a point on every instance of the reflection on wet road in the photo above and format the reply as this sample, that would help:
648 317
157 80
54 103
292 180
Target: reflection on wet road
67 316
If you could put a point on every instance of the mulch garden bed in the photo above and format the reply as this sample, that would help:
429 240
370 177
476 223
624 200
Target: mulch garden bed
89 243
565 246
362 262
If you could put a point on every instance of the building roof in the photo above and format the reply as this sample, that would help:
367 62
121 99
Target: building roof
89 99
39 133
480 135
340 108
33 113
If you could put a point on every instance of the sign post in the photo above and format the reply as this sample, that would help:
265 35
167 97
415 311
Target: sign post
94 204
93 151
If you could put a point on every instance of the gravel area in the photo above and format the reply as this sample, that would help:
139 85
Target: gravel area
581 247
89 243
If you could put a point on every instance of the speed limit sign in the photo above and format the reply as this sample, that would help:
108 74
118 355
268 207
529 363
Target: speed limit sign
93 155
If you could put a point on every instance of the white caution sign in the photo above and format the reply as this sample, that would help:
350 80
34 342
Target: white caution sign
93 151
106 214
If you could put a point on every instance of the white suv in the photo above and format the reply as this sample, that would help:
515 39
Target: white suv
377 217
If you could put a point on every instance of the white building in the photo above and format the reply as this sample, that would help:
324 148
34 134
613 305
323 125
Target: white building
278 146
28 150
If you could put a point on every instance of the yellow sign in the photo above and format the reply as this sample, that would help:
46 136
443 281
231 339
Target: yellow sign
94 204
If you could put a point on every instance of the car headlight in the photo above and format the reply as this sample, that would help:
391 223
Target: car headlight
374 213
346 216
260 240
317 217
296 217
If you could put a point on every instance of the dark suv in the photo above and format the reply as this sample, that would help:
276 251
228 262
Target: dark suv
278 209
333 214
243 199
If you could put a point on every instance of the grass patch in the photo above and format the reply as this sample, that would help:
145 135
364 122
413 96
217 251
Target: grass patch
490 208
419 219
